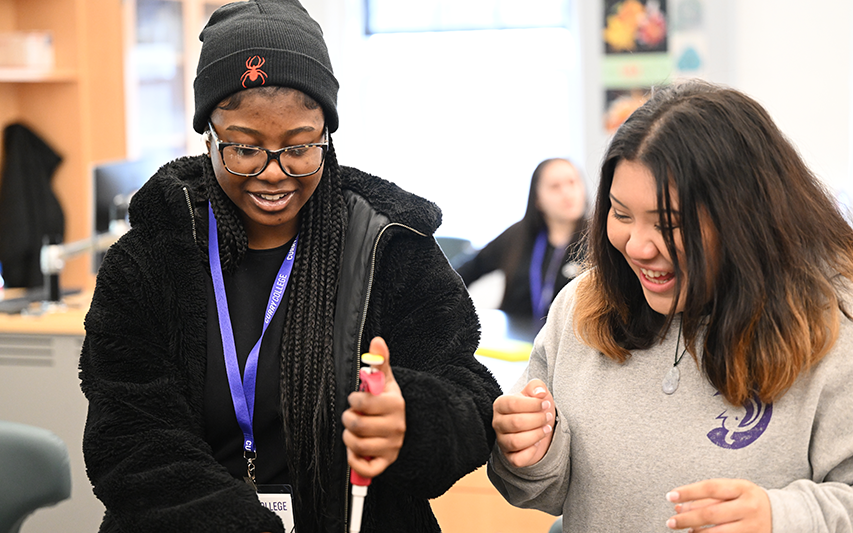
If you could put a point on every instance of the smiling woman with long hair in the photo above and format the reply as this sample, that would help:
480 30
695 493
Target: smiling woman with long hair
698 372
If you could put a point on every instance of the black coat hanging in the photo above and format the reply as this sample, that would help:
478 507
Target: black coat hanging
29 211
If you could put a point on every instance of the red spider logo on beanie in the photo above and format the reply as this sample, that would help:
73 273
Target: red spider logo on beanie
253 72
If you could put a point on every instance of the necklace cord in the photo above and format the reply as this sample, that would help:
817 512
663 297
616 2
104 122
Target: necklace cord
678 358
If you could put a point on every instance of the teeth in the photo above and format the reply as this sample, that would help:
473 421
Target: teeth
271 197
652 275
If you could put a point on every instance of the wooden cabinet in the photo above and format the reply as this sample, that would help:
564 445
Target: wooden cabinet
78 108
163 46
39 386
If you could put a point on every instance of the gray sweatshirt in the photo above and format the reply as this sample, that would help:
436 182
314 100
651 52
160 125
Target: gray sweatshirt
620 443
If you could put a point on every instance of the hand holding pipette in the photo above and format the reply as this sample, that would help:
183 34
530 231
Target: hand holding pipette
372 381
375 425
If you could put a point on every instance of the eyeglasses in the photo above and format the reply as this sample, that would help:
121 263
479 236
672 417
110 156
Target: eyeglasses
296 161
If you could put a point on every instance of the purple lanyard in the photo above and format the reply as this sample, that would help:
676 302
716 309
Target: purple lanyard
542 291
243 392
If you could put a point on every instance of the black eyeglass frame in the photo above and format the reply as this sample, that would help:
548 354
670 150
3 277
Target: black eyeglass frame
271 154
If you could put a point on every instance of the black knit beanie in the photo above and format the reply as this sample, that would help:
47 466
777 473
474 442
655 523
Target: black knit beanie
263 43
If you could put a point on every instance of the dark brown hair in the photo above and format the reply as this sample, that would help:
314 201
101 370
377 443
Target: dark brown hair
769 300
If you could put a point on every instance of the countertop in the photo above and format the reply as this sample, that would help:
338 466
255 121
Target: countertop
46 318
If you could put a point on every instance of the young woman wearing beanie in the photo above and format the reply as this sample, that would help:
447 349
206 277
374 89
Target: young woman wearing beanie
223 341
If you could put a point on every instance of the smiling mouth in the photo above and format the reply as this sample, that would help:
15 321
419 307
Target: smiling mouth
271 197
657 276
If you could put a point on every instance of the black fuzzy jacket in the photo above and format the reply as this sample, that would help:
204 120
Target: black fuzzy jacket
142 367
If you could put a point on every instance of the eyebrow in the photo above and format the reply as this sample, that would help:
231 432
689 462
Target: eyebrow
287 133
675 212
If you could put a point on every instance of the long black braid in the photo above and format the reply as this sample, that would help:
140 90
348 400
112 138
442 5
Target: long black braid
233 241
307 367
308 372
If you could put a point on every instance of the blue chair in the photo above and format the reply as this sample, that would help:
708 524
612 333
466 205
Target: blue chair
35 472
557 526
457 250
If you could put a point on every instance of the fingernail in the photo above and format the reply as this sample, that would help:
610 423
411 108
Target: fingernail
539 390
670 523
546 405
372 359
672 496
547 429
549 416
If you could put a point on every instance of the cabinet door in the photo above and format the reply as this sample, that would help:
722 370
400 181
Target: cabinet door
39 387
163 50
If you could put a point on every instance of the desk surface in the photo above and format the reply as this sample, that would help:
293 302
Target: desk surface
65 318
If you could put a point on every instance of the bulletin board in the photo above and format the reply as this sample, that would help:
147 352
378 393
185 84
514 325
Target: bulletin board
648 43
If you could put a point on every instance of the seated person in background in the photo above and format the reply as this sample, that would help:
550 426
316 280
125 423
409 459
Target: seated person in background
709 236
542 252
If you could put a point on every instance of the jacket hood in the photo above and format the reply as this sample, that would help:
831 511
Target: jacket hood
162 201
390 200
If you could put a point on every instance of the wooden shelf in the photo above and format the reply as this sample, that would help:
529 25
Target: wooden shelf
77 107
32 75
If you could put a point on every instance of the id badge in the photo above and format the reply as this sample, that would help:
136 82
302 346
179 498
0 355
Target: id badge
278 499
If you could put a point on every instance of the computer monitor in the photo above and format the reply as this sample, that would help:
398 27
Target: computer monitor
114 184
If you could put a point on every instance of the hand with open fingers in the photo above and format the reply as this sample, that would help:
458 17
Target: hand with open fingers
375 425
524 423
721 505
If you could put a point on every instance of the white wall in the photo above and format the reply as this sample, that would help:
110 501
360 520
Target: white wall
794 57
461 118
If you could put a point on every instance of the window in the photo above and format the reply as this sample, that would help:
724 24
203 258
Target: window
158 62
463 118
163 52
385 16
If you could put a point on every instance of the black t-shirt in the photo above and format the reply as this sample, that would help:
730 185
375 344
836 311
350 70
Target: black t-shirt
248 291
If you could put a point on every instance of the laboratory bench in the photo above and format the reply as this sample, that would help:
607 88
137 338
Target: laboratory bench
39 386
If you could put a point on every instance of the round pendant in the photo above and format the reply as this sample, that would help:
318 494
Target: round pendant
670 382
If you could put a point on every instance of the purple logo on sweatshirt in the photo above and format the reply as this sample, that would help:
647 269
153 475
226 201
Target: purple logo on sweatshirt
741 426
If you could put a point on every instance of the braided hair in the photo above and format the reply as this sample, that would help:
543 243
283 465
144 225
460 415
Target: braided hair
307 366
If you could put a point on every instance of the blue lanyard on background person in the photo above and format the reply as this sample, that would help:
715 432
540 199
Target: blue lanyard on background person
243 390
542 291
